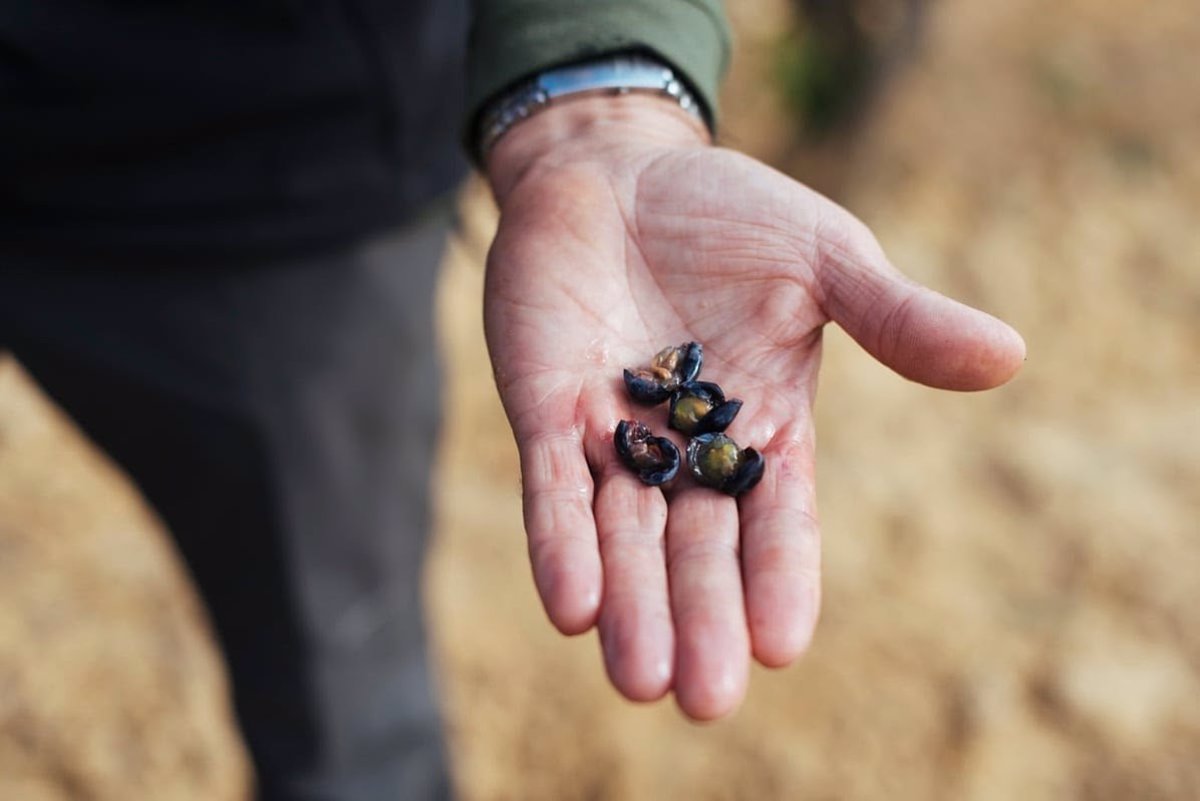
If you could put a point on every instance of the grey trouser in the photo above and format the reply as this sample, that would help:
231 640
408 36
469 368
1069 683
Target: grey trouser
280 416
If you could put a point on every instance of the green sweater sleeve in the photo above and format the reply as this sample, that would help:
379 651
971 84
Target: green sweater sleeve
513 39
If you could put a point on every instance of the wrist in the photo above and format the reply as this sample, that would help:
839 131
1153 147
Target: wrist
590 128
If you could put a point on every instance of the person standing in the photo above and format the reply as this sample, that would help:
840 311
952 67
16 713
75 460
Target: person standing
220 226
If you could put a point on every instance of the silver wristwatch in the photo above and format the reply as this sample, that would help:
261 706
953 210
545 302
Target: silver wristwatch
615 74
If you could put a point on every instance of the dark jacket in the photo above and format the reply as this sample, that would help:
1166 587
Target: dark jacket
244 126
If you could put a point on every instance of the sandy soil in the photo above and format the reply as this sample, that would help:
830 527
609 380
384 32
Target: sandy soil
1011 577
109 685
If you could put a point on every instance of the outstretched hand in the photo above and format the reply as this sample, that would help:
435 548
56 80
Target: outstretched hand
623 230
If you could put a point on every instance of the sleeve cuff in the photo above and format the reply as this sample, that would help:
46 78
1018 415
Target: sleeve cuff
514 39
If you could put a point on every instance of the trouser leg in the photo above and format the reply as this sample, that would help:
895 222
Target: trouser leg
281 419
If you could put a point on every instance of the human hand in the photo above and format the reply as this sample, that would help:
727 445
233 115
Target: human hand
623 231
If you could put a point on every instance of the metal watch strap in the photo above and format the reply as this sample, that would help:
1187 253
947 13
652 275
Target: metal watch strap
616 74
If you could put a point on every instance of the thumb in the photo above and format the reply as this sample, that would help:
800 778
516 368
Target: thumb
921 334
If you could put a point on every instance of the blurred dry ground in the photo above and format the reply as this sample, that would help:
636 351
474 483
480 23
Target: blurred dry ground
1011 577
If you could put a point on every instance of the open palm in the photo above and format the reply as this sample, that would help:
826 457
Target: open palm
601 262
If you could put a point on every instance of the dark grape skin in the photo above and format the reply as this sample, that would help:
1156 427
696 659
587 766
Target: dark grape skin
720 415
749 470
685 362
655 460
672 375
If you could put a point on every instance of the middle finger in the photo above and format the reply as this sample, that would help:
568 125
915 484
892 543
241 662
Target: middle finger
712 651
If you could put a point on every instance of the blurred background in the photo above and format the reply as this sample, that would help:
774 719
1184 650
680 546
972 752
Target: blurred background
1012 598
